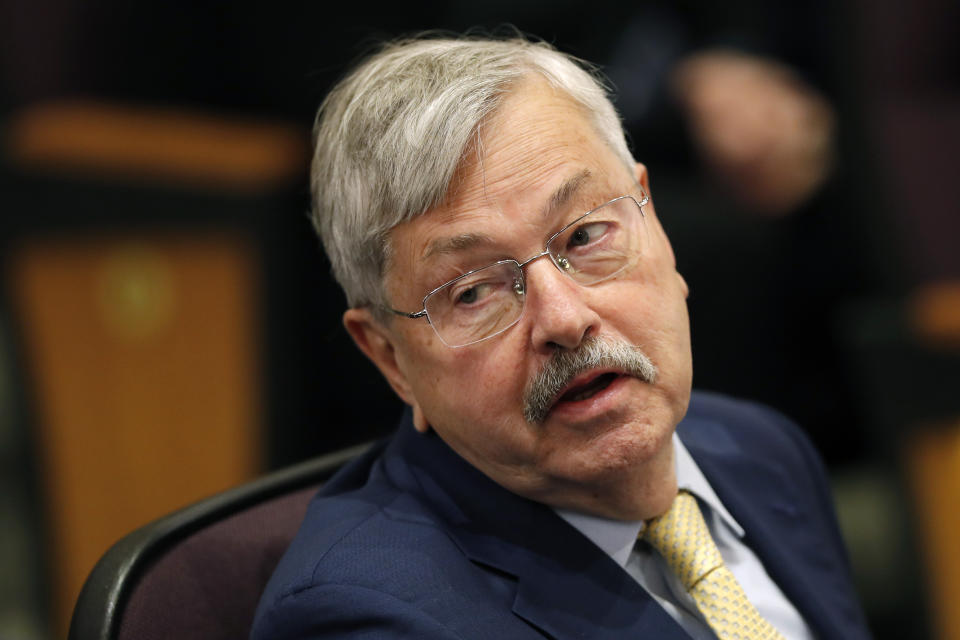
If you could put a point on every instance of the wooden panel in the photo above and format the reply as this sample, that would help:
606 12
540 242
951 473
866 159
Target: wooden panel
934 468
143 355
159 144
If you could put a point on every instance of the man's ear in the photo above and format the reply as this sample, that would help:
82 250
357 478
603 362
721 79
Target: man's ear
640 173
643 178
377 343
684 286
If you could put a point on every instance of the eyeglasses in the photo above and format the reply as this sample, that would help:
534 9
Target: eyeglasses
487 301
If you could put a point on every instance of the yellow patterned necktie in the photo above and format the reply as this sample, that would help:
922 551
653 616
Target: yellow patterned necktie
682 538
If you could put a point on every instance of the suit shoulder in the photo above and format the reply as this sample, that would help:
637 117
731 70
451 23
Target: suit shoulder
377 539
341 534
715 420
389 569
710 405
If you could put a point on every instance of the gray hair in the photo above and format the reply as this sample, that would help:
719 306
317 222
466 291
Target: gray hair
391 135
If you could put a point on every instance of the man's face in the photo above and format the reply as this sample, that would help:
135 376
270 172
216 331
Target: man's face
606 450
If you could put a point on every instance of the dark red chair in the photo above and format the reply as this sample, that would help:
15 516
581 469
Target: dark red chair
198 572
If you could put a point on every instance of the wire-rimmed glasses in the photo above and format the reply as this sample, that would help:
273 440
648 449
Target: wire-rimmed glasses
487 301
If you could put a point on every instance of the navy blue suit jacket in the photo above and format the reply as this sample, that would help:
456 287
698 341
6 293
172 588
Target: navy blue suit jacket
411 541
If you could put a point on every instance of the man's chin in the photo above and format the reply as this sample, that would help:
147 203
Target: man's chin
611 446
623 478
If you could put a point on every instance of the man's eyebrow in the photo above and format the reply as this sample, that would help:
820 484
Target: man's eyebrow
566 191
457 243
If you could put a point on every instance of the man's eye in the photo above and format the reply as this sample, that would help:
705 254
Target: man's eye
469 296
473 294
586 234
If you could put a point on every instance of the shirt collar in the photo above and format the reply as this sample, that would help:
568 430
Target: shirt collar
617 537
690 477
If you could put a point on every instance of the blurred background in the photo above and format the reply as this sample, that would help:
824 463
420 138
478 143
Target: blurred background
168 327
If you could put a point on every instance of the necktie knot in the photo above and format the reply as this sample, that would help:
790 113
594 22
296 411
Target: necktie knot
681 536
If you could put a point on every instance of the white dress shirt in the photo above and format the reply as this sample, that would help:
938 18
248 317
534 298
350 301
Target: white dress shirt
619 540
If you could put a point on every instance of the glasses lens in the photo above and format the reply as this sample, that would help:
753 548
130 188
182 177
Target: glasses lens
477 305
601 243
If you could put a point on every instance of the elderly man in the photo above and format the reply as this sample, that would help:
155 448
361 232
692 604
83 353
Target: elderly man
553 477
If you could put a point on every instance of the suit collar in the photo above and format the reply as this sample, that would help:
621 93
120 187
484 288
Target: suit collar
565 585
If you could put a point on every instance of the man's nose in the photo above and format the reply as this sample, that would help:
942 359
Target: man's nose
558 308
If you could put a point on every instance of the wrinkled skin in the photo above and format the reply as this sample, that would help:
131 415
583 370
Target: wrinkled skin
610 454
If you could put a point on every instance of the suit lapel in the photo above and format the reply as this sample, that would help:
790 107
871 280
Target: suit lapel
565 586
569 588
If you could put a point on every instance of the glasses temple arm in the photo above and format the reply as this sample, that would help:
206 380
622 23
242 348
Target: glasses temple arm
419 314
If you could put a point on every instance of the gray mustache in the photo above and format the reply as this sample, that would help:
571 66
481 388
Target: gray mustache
565 365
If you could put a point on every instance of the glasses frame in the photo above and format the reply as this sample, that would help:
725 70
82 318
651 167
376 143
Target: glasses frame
423 313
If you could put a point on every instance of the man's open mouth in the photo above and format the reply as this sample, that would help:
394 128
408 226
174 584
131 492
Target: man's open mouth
588 389
575 380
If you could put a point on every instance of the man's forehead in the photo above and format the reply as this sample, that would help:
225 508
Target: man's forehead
563 195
